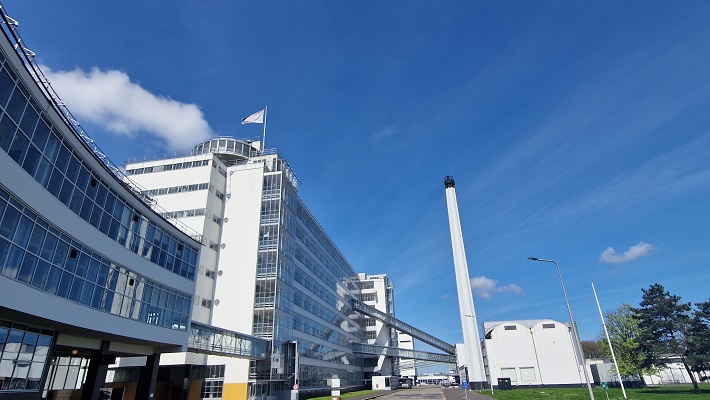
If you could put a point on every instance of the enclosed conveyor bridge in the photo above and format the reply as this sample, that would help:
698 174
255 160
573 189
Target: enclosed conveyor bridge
208 339
403 353
403 327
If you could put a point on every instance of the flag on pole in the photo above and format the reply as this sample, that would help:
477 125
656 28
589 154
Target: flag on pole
256 118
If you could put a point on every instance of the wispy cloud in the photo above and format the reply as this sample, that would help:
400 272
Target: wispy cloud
612 257
383 133
484 287
109 100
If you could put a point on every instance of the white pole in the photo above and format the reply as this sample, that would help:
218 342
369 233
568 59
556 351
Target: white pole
606 332
263 139
469 324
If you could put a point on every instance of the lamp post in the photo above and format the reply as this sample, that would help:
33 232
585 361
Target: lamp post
575 333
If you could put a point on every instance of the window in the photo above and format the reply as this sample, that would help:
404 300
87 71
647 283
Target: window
370 335
527 374
369 362
508 373
369 297
367 284
23 353
36 253
548 326
511 328
212 389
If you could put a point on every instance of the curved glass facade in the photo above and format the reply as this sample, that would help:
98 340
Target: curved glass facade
29 138
238 149
36 253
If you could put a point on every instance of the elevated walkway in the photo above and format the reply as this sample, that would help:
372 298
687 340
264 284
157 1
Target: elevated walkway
208 339
403 353
403 327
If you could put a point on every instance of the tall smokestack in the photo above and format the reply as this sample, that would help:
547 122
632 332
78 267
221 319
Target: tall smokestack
471 339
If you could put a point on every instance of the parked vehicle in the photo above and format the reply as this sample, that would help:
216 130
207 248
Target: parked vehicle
406 383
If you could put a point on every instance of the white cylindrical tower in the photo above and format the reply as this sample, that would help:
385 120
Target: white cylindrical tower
469 323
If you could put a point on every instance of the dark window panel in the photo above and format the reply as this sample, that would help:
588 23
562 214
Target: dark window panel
41 135
32 159
44 172
36 240
65 284
9 222
63 157
54 144
18 148
73 168
50 243
7 84
29 121
7 132
55 274
16 106
41 274
54 185
27 268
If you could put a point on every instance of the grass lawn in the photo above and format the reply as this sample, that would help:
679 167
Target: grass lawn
346 395
675 392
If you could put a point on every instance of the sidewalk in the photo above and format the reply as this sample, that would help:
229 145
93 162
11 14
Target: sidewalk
458 394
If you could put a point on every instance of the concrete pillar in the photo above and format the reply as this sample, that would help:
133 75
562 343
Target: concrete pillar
96 374
145 390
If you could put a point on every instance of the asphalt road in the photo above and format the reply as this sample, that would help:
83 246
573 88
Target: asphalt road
432 393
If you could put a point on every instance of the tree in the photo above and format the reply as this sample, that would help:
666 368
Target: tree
699 342
624 333
592 349
665 328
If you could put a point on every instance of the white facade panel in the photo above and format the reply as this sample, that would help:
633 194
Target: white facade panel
237 265
556 355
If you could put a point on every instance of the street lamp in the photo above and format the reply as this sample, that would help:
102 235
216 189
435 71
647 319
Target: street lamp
575 333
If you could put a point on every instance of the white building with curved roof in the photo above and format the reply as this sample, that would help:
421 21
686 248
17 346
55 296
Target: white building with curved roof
531 353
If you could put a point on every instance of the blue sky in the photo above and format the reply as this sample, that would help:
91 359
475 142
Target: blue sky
577 131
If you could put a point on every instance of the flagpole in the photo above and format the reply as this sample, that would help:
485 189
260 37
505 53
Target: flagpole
263 139
611 348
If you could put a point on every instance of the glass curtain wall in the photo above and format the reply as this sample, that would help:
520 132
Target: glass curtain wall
321 281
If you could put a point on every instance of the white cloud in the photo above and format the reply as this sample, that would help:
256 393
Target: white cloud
484 287
109 100
641 249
